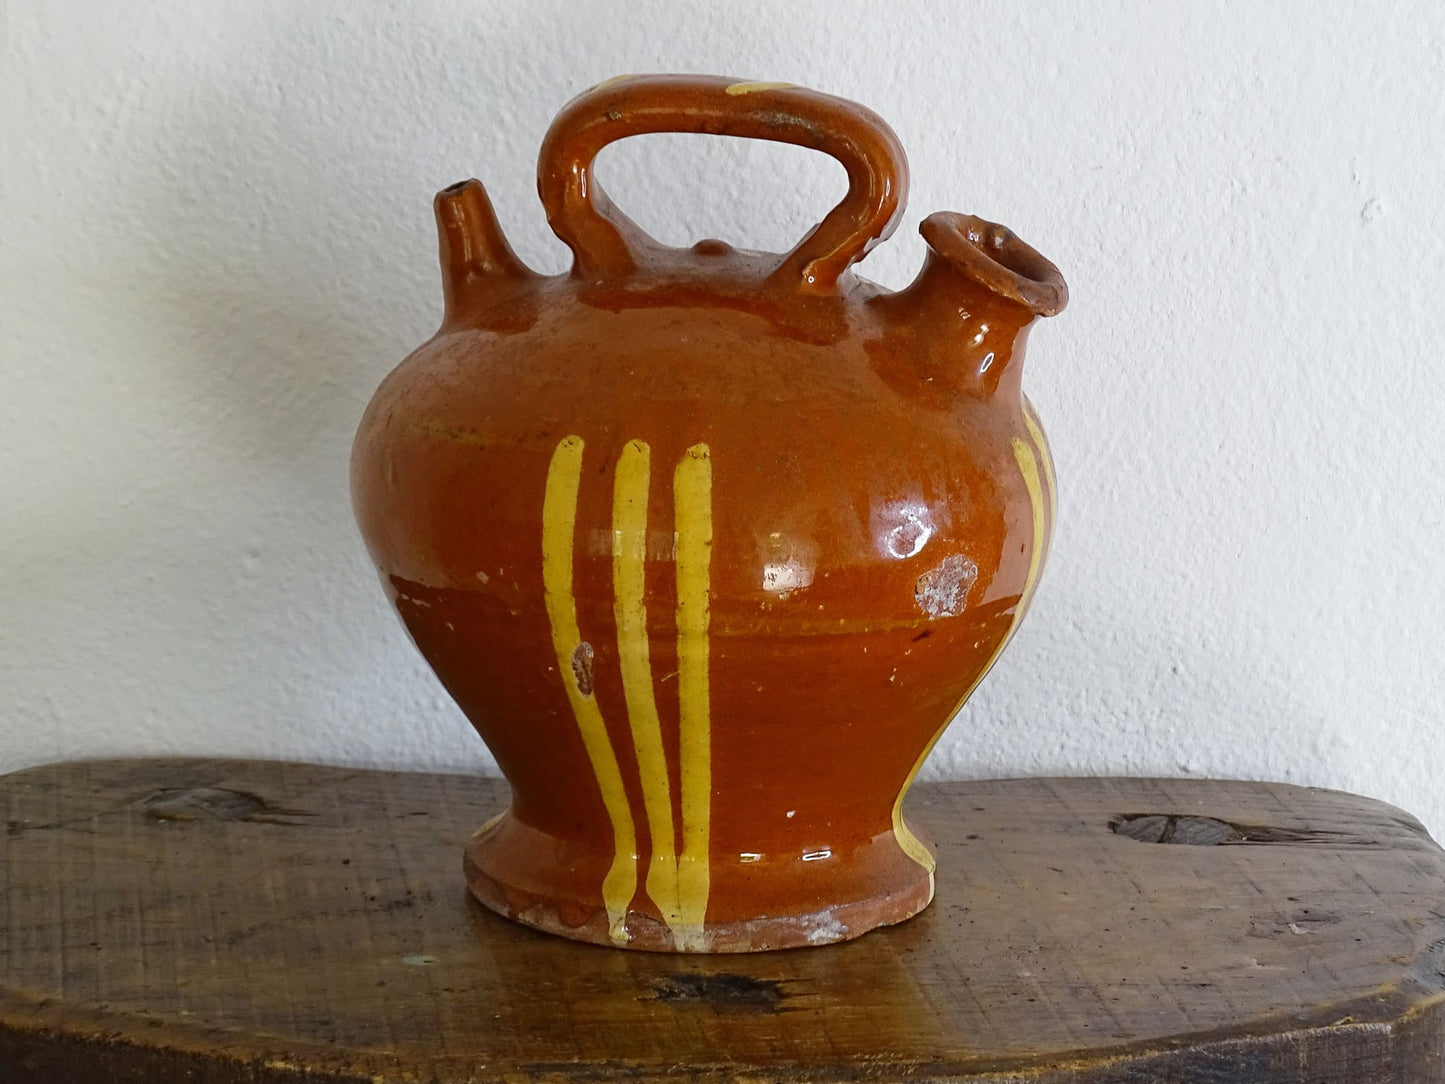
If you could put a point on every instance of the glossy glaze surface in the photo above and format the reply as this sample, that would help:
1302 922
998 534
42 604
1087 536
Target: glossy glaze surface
710 545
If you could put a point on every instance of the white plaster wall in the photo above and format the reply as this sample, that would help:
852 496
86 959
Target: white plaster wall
215 239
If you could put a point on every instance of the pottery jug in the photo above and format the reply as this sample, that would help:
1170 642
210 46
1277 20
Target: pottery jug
708 544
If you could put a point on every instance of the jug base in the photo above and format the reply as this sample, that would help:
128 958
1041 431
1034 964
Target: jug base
519 884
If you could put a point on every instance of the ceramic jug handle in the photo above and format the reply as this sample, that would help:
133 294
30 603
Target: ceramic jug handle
605 243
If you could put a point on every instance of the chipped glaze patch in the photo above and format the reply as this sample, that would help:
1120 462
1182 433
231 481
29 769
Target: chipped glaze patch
828 930
582 658
942 591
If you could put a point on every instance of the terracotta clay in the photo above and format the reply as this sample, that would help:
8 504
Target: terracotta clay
708 544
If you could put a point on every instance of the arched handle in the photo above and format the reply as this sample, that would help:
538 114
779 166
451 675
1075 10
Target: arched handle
606 244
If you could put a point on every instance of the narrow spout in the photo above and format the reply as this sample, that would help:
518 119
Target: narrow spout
475 255
966 316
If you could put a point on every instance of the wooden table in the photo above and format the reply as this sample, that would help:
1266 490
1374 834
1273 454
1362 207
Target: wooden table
220 921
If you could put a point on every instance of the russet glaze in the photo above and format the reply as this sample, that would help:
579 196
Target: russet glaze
710 545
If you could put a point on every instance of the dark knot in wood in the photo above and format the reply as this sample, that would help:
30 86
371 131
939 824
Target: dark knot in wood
1211 832
215 804
722 992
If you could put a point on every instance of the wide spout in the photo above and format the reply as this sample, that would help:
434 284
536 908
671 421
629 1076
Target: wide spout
966 315
994 258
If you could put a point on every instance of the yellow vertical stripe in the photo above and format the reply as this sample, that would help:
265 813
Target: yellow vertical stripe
629 554
489 824
1029 468
692 502
1031 419
559 528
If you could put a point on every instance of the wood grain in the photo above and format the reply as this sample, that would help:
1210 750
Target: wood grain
263 922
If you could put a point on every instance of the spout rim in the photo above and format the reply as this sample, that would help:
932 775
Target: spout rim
994 256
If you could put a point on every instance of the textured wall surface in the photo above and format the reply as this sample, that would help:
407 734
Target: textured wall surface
215 239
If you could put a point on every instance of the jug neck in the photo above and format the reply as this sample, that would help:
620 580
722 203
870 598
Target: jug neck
969 309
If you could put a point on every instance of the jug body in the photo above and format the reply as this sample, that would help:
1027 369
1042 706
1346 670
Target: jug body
706 556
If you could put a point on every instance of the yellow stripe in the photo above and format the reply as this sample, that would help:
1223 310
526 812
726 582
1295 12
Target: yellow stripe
752 88
1031 419
692 501
1029 468
613 81
559 528
629 553
489 824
